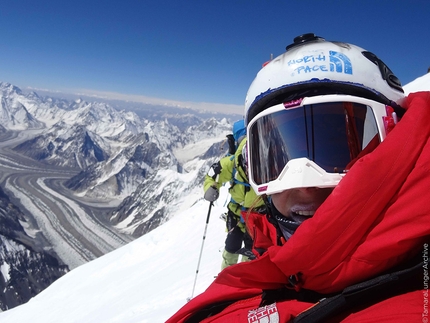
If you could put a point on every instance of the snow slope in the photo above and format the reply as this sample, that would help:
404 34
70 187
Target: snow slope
421 83
147 280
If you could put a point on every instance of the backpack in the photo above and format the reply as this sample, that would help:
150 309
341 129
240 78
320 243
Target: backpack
239 131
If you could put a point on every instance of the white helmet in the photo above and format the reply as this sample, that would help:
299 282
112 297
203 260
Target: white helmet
314 110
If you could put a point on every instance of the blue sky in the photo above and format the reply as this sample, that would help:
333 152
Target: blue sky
192 51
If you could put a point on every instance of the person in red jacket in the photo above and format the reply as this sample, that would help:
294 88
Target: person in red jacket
342 158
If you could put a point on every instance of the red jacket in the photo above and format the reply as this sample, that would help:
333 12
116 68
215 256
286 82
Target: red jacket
376 218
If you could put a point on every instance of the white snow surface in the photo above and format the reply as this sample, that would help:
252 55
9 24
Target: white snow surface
147 280
421 83
192 150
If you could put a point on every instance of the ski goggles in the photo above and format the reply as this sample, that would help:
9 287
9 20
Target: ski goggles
314 141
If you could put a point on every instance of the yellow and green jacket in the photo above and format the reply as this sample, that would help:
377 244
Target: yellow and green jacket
229 169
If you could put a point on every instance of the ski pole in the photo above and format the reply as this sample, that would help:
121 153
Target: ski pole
201 250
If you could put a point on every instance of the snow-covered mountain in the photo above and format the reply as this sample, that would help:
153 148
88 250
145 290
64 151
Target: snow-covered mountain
155 167
66 146
75 134
137 173
117 152
104 143
166 192
147 280
14 113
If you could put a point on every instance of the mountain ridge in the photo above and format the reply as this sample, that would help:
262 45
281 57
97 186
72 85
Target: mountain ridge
136 172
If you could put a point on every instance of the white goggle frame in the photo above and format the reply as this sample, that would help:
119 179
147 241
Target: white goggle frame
302 172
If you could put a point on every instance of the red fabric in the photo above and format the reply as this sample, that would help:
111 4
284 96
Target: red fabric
377 217
261 231
404 308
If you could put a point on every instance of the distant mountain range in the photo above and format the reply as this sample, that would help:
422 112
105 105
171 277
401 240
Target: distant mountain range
116 151
148 165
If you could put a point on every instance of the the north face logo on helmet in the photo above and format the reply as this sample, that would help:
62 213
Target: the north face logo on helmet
320 62
266 314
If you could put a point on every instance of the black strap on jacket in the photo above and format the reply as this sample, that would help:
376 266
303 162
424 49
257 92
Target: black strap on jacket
359 296
364 294
271 296
327 306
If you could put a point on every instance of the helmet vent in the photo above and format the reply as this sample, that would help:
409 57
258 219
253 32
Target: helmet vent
299 40
386 73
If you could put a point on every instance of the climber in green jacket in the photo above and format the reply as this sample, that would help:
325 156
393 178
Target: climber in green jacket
232 169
